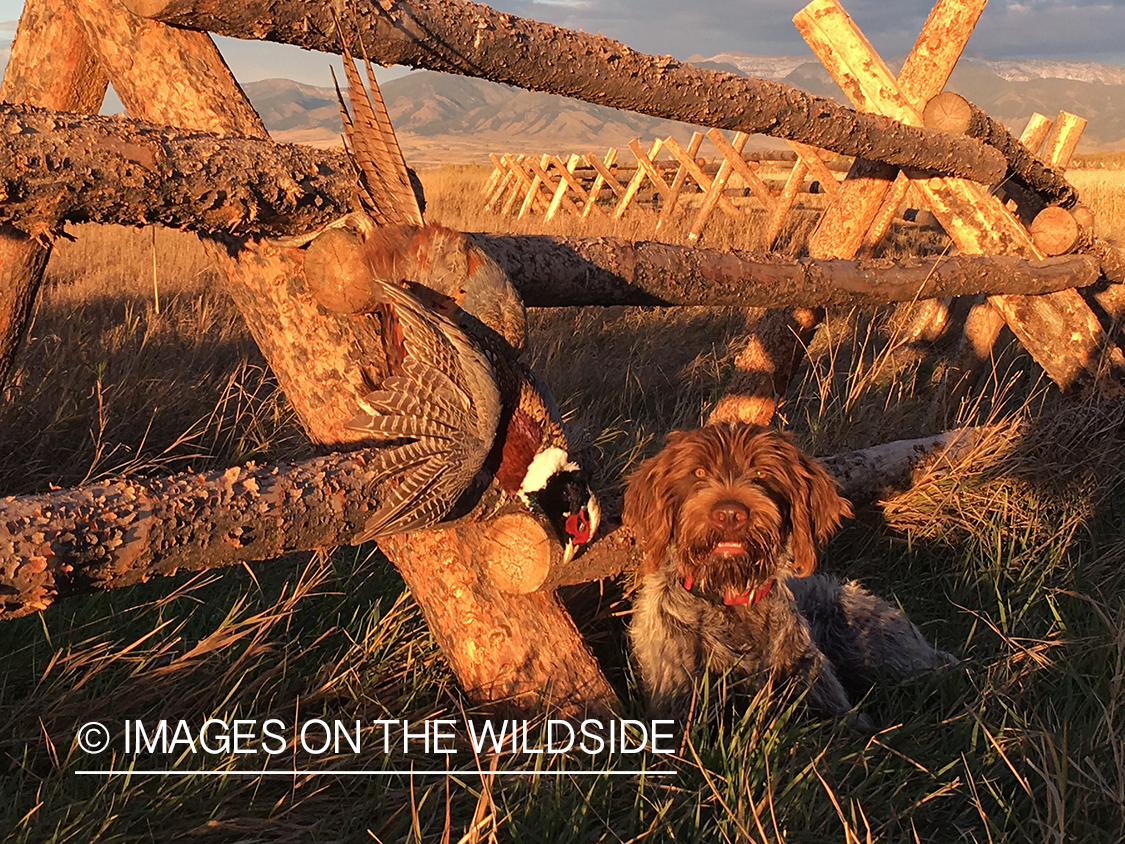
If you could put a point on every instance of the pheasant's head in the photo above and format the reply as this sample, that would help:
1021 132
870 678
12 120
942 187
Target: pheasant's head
536 465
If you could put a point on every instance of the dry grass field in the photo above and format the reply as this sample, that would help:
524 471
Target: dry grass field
1013 560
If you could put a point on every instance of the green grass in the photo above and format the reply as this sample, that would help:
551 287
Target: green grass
1012 561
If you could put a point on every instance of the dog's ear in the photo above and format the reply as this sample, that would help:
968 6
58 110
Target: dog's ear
649 507
816 510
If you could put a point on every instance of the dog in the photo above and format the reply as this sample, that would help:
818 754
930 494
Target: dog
729 518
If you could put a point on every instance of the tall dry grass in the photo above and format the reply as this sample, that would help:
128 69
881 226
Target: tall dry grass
1011 559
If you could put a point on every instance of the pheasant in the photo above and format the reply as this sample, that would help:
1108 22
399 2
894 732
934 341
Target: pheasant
458 406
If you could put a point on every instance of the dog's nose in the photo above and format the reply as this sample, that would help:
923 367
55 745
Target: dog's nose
729 514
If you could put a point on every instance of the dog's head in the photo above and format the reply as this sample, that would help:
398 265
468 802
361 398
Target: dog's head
729 500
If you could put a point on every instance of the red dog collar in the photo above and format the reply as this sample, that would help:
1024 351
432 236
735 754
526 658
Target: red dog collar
750 596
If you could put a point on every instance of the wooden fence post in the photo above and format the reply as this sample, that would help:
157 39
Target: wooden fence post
49 66
1059 329
713 191
671 204
603 177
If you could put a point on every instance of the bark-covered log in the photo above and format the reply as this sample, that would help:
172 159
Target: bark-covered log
119 533
555 271
516 651
123 532
950 112
470 39
50 66
57 166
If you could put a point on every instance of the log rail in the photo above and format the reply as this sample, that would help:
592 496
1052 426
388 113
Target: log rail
470 39
121 532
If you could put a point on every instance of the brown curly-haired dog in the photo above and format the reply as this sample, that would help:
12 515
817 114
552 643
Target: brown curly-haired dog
729 518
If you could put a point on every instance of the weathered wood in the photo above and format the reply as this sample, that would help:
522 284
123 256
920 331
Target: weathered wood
743 169
836 40
839 232
122 173
784 203
638 176
61 167
1109 297
520 181
562 271
512 189
500 181
817 168
983 323
1063 140
603 177
544 182
950 112
494 177
49 66
872 472
123 532
179 75
1035 132
647 163
535 184
516 651
700 177
886 214
566 180
470 39
672 203
1058 329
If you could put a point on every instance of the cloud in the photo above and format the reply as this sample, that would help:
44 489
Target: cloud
1075 29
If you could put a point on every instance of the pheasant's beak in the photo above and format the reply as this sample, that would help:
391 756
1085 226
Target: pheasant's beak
581 527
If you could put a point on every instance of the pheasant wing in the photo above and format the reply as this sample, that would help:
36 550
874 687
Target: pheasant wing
442 400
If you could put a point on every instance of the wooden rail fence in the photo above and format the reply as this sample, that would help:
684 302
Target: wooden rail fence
663 180
514 648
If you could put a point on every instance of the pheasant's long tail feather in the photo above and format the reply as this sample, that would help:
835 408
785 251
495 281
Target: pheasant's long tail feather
353 141
410 208
375 146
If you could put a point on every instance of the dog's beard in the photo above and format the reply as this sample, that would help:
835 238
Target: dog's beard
722 566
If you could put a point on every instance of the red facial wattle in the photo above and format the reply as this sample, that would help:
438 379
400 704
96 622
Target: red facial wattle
578 527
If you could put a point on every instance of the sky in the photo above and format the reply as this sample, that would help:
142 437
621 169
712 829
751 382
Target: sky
1050 29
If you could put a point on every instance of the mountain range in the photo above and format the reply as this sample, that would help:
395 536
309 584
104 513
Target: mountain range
444 118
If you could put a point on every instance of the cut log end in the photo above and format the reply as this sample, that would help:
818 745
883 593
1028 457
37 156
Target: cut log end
1054 230
337 274
1083 216
948 112
516 553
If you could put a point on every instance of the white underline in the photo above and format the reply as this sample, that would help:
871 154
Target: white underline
295 773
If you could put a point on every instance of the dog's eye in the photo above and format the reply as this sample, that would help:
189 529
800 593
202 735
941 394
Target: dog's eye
701 472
